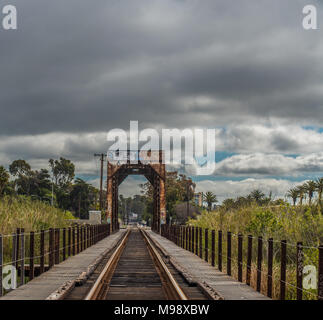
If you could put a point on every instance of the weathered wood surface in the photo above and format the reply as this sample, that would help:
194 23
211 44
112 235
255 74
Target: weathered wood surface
226 286
43 286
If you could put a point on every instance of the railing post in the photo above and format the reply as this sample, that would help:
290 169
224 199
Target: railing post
197 241
1 263
57 251
178 228
84 238
220 250
73 241
189 238
32 254
181 236
249 260
174 233
259 264
200 243
206 241
14 257
320 277
42 252
299 271
81 238
283 270
87 228
213 249
22 255
51 249
240 239
193 239
69 241
64 244
77 239
229 253
91 234
270 267
17 248
186 238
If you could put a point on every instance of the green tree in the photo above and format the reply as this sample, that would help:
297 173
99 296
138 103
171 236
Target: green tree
40 184
21 170
257 195
293 193
310 187
4 179
228 204
210 198
319 187
179 188
80 198
63 172
301 193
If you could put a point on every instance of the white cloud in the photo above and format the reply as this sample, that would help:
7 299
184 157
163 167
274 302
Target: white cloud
233 189
269 164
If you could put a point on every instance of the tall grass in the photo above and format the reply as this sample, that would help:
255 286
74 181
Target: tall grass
283 222
32 215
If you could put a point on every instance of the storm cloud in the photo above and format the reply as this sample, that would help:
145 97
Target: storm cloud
75 69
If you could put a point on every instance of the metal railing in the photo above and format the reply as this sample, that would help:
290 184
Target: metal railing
27 255
272 267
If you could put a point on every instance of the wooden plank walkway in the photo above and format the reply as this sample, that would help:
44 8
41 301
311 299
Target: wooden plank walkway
226 286
42 287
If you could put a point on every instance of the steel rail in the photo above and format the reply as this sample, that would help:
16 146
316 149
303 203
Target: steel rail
175 288
99 283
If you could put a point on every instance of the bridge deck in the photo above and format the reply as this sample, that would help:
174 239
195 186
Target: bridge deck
60 275
197 268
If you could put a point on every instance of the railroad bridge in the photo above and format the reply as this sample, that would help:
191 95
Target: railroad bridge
150 164
93 263
104 262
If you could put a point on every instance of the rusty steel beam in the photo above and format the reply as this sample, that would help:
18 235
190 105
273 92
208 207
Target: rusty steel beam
155 173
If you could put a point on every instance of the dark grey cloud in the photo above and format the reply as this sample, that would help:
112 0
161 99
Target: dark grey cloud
75 69
87 66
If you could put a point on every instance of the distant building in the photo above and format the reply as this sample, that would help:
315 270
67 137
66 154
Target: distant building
198 199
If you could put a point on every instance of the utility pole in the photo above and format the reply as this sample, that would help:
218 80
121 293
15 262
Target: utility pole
188 187
52 200
102 156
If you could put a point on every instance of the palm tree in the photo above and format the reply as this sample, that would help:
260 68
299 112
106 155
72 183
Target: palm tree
301 191
310 187
257 195
319 187
293 193
210 198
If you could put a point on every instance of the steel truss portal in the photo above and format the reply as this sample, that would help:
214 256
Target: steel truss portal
153 168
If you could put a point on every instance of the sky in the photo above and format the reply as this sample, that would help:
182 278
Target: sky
76 69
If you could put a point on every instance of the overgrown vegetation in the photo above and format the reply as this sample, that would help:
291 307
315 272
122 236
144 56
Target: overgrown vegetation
32 215
261 216
57 186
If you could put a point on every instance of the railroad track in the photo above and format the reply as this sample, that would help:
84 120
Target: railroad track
136 270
